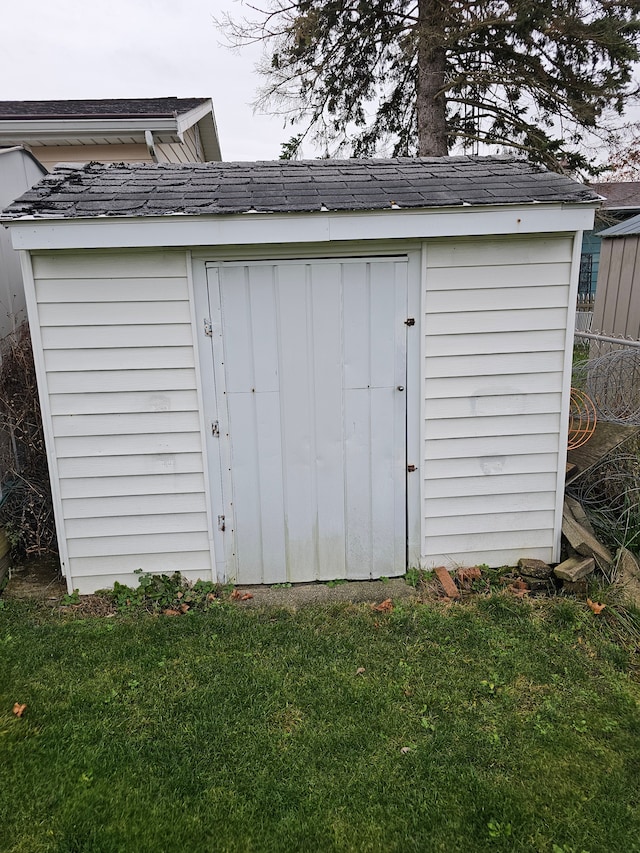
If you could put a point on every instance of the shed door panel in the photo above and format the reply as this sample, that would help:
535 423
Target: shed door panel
313 426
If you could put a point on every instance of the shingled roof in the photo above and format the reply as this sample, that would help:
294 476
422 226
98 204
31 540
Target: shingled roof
293 186
103 108
619 195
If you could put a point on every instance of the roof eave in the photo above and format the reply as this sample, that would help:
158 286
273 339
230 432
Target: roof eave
211 230
41 130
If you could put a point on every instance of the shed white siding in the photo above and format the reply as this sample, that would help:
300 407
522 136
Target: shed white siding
494 321
123 414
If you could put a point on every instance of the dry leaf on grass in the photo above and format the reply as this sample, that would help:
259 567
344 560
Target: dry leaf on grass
19 709
170 612
236 594
595 606
246 596
184 607
385 606
360 670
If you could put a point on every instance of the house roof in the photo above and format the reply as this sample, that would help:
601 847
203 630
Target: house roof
619 195
104 108
90 122
293 186
628 227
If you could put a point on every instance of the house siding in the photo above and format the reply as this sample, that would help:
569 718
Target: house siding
51 155
187 151
18 172
494 315
119 364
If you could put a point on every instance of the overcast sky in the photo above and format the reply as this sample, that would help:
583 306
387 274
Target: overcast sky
137 48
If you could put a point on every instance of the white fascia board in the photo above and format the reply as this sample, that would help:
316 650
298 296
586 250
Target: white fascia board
251 229
44 129
187 119
209 137
204 116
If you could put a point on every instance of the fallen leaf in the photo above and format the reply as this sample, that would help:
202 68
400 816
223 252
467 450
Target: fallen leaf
385 606
236 594
467 575
360 670
184 607
595 606
246 596
405 749
170 612
19 709
211 597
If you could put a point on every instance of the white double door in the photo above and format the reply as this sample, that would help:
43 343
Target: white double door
310 387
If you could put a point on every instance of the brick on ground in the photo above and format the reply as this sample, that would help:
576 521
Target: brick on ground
446 582
534 568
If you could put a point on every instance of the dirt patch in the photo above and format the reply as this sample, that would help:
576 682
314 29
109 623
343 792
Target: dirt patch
38 579
91 605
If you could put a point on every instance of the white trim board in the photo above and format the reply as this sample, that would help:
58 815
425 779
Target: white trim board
45 408
173 230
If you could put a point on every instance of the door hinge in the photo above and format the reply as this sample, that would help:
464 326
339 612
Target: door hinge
221 522
215 429
410 321
208 328
411 468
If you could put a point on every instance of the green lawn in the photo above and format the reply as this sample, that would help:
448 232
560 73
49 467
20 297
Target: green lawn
495 726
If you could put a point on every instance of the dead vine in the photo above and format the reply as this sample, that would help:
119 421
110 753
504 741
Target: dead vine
26 509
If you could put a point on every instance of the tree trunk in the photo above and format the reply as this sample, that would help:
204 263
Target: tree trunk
431 103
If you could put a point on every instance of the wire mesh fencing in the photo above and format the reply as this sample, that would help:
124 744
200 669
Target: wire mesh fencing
608 370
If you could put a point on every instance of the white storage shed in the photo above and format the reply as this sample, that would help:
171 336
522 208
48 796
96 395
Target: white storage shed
297 371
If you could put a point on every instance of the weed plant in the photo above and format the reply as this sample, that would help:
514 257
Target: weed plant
159 593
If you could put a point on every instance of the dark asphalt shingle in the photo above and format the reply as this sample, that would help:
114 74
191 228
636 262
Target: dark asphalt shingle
285 186
102 108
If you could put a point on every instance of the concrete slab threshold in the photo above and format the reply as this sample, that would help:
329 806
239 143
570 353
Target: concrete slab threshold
305 594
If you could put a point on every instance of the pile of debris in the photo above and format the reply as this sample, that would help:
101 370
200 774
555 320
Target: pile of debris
583 555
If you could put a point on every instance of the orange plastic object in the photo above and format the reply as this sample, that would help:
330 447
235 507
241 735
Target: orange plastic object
582 419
